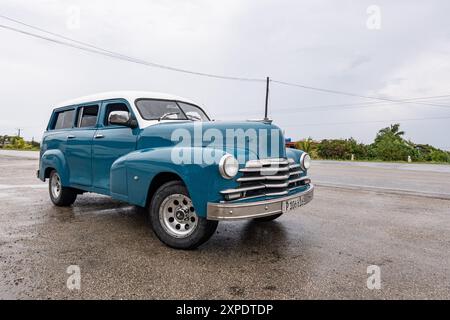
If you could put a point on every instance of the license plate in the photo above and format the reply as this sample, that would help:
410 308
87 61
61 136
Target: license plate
292 204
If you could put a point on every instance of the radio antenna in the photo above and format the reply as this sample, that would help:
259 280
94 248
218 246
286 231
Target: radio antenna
267 100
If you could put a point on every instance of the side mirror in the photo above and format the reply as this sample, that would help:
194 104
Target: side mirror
122 118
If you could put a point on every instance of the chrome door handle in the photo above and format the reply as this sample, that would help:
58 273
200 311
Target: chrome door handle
99 136
71 136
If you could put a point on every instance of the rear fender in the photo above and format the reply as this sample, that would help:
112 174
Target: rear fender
54 159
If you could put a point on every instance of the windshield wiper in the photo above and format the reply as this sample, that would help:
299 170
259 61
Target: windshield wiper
165 115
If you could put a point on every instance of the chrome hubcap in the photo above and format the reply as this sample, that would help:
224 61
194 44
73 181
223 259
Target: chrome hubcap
177 215
55 186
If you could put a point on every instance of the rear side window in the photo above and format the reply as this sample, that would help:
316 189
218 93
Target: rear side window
59 120
64 119
87 116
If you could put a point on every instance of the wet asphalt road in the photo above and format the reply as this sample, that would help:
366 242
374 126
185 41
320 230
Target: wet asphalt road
362 214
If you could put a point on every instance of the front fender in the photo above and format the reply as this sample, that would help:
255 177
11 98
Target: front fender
55 159
132 174
294 154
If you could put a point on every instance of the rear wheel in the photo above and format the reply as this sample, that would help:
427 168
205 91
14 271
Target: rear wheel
174 219
268 218
60 196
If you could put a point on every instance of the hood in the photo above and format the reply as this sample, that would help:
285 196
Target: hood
249 139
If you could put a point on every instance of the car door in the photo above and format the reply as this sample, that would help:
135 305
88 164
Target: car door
111 142
79 145
59 129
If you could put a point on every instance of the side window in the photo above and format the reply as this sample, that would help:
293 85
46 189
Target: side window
64 119
68 118
59 120
114 107
87 116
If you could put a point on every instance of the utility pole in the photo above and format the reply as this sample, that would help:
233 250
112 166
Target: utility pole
267 99
18 131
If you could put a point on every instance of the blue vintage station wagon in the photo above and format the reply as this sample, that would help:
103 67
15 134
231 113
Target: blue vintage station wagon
164 153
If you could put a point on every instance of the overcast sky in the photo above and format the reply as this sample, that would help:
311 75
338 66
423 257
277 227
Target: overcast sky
328 44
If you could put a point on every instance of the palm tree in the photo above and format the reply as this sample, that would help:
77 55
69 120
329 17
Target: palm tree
393 129
305 145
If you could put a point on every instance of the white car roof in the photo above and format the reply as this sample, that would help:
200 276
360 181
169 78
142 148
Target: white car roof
131 96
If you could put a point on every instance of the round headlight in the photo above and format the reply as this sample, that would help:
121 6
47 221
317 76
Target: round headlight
228 166
305 161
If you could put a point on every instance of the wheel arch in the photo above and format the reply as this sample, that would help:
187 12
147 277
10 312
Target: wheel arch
54 159
47 172
158 180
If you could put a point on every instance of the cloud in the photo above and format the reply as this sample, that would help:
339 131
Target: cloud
426 73
358 61
321 43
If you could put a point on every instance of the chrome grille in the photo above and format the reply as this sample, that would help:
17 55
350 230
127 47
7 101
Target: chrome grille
267 177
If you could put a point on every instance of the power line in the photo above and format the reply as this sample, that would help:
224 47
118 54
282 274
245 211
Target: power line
363 105
53 33
363 122
94 49
98 50
341 106
348 94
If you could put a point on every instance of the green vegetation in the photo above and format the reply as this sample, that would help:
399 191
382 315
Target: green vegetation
17 143
389 145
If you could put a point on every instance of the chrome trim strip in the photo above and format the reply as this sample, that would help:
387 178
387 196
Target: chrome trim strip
293 173
276 185
274 178
299 179
294 166
264 186
265 169
249 210
238 190
246 179
264 162
262 178
275 194
267 194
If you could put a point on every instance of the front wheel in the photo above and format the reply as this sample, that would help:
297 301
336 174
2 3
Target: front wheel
174 220
60 196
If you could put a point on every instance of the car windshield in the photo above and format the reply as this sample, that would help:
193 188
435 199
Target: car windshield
151 109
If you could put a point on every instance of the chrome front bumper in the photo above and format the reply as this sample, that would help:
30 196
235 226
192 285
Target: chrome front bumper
250 210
